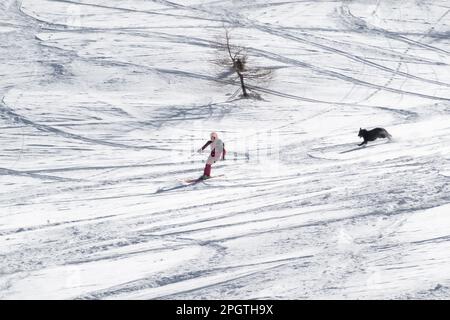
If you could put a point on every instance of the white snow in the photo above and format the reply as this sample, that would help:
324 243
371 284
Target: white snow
104 103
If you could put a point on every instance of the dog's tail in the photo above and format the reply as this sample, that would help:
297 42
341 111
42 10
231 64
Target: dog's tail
389 136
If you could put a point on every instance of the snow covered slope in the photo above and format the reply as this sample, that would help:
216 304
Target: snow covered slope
103 103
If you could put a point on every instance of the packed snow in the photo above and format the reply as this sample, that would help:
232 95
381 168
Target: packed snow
105 102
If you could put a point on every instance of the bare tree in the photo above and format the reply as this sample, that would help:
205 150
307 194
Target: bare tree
234 59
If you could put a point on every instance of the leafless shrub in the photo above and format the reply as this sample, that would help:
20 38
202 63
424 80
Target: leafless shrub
233 60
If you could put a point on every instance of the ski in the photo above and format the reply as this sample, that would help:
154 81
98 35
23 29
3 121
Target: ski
197 180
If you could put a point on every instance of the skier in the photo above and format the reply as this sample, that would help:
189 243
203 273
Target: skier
217 150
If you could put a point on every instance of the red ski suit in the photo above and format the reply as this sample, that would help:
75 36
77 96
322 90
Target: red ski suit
217 150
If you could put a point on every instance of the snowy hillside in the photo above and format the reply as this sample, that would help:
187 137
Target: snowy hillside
104 103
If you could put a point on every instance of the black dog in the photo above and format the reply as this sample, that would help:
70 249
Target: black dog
371 135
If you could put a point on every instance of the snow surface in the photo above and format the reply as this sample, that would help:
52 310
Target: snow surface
103 103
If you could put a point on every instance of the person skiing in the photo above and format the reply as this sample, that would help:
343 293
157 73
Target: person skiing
217 150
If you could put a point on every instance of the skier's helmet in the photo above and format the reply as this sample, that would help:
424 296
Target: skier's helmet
213 135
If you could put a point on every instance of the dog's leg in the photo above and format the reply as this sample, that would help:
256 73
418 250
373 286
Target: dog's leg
362 143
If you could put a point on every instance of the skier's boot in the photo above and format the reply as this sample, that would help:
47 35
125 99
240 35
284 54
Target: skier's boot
206 172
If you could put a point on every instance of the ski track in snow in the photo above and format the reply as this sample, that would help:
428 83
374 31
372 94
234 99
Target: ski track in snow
101 118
